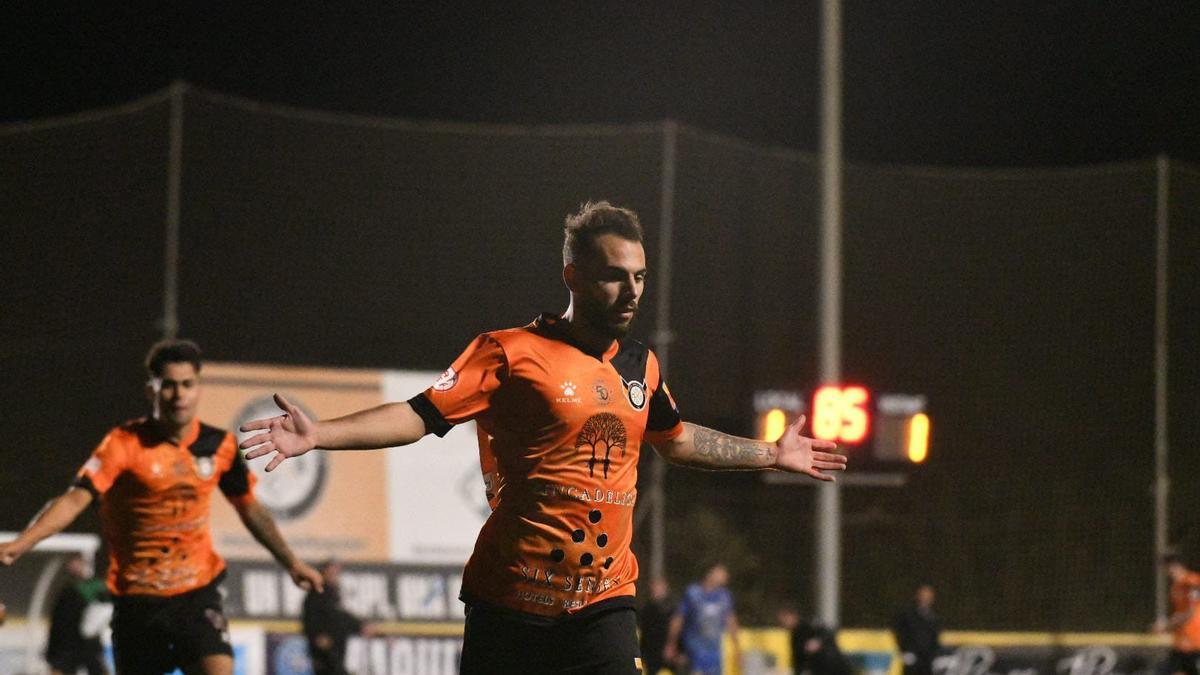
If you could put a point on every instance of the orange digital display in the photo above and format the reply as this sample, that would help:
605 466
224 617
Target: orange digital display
840 414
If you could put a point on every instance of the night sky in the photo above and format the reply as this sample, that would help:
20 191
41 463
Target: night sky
930 82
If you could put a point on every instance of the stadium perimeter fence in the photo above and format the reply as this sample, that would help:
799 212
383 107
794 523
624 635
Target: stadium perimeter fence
1020 302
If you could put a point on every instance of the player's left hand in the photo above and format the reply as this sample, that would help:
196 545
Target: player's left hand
810 456
306 577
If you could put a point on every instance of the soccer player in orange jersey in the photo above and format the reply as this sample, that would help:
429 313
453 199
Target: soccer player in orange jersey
1184 621
565 403
154 478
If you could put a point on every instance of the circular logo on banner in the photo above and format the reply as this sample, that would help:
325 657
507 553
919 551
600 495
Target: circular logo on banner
637 394
295 485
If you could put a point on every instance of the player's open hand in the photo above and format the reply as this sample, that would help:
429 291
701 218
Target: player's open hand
306 577
289 435
810 456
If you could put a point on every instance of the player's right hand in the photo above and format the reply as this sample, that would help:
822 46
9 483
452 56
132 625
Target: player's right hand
9 552
289 435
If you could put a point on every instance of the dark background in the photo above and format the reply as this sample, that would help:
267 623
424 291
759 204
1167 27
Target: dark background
1020 301
926 81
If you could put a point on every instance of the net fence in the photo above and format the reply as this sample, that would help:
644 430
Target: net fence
1021 303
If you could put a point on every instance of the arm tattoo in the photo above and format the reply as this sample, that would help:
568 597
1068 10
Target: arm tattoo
722 451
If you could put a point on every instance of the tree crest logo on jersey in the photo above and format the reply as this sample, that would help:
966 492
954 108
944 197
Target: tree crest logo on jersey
601 433
636 393
447 380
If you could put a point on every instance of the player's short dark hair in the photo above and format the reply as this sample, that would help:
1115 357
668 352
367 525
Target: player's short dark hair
172 351
1171 558
592 220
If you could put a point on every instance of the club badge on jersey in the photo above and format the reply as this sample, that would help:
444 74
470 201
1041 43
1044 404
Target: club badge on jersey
636 393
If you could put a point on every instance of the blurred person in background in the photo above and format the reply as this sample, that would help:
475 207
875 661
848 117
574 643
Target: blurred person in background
704 615
566 402
918 633
654 619
1184 620
81 611
154 478
814 647
327 625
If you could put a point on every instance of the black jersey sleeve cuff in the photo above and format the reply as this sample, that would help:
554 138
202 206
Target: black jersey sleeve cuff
86 483
434 422
236 481
663 416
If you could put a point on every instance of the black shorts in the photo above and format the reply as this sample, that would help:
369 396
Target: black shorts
153 635
71 660
1184 662
496 641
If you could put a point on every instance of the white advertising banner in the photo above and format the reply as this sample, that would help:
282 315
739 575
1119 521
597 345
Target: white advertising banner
420 504
435 489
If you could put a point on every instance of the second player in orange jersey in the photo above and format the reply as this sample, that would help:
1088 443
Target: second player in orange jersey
154 478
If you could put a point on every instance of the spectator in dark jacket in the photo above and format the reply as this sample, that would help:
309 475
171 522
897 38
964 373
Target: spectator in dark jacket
80 613
814 647
328 626
654 619
918 633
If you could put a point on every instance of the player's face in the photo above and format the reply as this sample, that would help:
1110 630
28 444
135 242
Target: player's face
718 576
1176 571
609 284
176 394
925 596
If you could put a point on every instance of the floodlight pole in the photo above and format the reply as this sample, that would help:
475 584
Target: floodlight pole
662 340
170 317
1162 483
829 497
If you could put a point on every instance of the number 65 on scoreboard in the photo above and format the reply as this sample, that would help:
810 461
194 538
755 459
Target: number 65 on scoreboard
894 427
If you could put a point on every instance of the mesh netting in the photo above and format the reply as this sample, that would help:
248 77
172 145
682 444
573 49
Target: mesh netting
1020 302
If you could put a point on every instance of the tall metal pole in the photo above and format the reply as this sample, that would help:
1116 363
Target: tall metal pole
1162 482
662 339
829 497
170 317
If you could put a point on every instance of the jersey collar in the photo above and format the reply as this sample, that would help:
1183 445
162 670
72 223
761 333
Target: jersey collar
152 435
556 326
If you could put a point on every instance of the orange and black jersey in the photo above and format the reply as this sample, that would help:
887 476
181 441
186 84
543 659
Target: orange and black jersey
564 430
1185 601
154 504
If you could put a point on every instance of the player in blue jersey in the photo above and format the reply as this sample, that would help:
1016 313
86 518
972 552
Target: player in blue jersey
704 615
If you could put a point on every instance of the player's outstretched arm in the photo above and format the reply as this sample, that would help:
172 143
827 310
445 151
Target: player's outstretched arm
259 522
294 433
705 448
54 516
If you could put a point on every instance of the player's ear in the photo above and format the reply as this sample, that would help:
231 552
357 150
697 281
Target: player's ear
571 276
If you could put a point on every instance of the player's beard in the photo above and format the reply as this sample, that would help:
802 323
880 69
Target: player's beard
604 320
